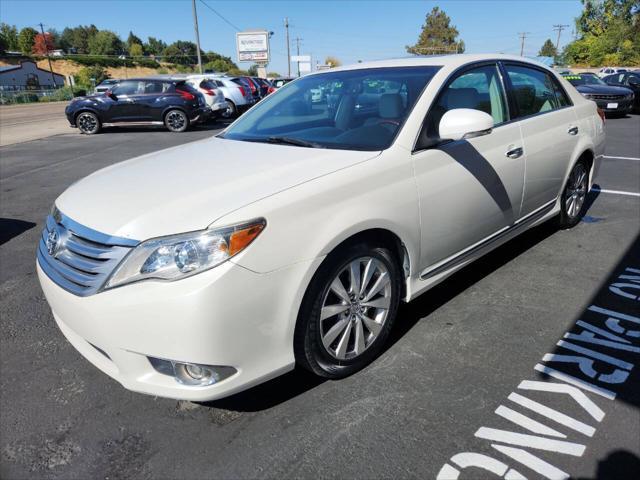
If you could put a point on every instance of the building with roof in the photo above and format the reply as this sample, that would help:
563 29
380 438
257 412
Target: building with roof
28 76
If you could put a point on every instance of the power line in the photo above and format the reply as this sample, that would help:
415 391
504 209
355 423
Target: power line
220 15
522 36
559 28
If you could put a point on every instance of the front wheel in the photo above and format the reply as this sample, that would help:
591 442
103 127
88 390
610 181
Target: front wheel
176 121
88 123
572 200
348 311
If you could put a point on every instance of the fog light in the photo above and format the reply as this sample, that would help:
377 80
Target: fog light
192 374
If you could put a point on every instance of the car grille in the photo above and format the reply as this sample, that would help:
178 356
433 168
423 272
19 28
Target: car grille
607 97
78 258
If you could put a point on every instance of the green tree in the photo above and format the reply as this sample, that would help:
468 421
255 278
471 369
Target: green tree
181 53
105 42
253 70
135 50
132 39
608 34
85 74
76 39
9 37
548 49
273 75
437 36
154 46
26 39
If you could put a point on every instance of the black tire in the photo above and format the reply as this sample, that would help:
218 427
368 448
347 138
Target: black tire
575 190
231 111
310 352
176 121
88 123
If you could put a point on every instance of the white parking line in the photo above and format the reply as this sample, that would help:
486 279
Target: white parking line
616 192
622 158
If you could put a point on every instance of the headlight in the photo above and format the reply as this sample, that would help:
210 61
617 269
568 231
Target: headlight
179 256
630 96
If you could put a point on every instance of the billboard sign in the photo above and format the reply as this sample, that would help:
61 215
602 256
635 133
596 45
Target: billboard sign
253 46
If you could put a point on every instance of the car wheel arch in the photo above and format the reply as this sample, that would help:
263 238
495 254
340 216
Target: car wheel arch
173 107
85 110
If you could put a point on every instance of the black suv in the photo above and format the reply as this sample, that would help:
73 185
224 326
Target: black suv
139 101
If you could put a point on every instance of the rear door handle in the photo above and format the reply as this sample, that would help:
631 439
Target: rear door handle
515 152
572 131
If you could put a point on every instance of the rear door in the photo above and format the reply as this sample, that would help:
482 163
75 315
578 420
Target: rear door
549 128
469 190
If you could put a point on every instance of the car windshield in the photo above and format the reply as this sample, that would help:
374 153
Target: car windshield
577 80
350 110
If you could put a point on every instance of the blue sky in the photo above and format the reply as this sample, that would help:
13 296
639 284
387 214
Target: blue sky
351 30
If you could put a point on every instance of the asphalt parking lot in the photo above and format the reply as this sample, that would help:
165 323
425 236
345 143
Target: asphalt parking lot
474 380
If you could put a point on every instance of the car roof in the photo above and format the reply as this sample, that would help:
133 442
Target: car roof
153 79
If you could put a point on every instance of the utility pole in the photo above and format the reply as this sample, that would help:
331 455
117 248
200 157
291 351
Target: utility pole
522 35
559 28
46 46
286 26
195 26
298 40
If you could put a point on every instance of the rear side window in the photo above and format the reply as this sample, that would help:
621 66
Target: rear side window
207 84
479 89
534 90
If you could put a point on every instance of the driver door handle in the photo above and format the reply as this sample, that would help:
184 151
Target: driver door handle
572 130
515 152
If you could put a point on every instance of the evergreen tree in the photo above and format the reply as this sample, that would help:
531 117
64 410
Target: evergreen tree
548 49
437 36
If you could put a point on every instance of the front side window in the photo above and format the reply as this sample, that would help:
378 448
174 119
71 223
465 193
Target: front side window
534 90
478 89
129 88
353 110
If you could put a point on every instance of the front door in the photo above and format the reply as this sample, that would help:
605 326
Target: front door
470 189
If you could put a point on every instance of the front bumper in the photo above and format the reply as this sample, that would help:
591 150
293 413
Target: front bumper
615 106
227 316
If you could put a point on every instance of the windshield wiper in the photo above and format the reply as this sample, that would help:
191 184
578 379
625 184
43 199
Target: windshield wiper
294 141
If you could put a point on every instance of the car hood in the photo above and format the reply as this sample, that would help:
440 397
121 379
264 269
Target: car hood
187 187
603 89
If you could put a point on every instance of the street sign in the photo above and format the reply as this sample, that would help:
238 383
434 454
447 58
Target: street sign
253 46
300 58
305 67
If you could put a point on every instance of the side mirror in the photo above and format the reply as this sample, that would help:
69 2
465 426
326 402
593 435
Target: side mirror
461 123
634 81
111 95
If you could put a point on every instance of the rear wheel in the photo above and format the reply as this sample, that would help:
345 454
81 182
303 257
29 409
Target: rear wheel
176 121
88 123
348 311
231 110
572 201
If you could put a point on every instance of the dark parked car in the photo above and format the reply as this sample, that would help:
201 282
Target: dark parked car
629 80
609 98
139 101
264 86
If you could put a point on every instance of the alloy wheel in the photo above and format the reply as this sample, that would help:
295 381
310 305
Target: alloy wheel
576 191
176 120
87 122
355 308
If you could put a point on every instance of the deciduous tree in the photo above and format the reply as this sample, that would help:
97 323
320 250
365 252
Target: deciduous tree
9 37
105 42
332 61
437 36
42 44
26 39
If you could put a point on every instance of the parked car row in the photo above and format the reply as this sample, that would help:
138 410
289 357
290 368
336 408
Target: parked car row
616 94
175 101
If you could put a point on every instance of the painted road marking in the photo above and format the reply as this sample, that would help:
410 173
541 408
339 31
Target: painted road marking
621 158
587 340
615 192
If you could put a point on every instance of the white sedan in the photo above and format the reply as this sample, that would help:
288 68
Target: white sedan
292 237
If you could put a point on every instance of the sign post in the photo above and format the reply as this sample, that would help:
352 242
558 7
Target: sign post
253 46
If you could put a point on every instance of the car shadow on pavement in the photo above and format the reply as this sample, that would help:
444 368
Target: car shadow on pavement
297 382
617 465
11 227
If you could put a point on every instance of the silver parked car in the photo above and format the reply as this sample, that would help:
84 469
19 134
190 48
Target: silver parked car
239 98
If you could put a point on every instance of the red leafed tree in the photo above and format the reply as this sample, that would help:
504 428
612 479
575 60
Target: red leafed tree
42 43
